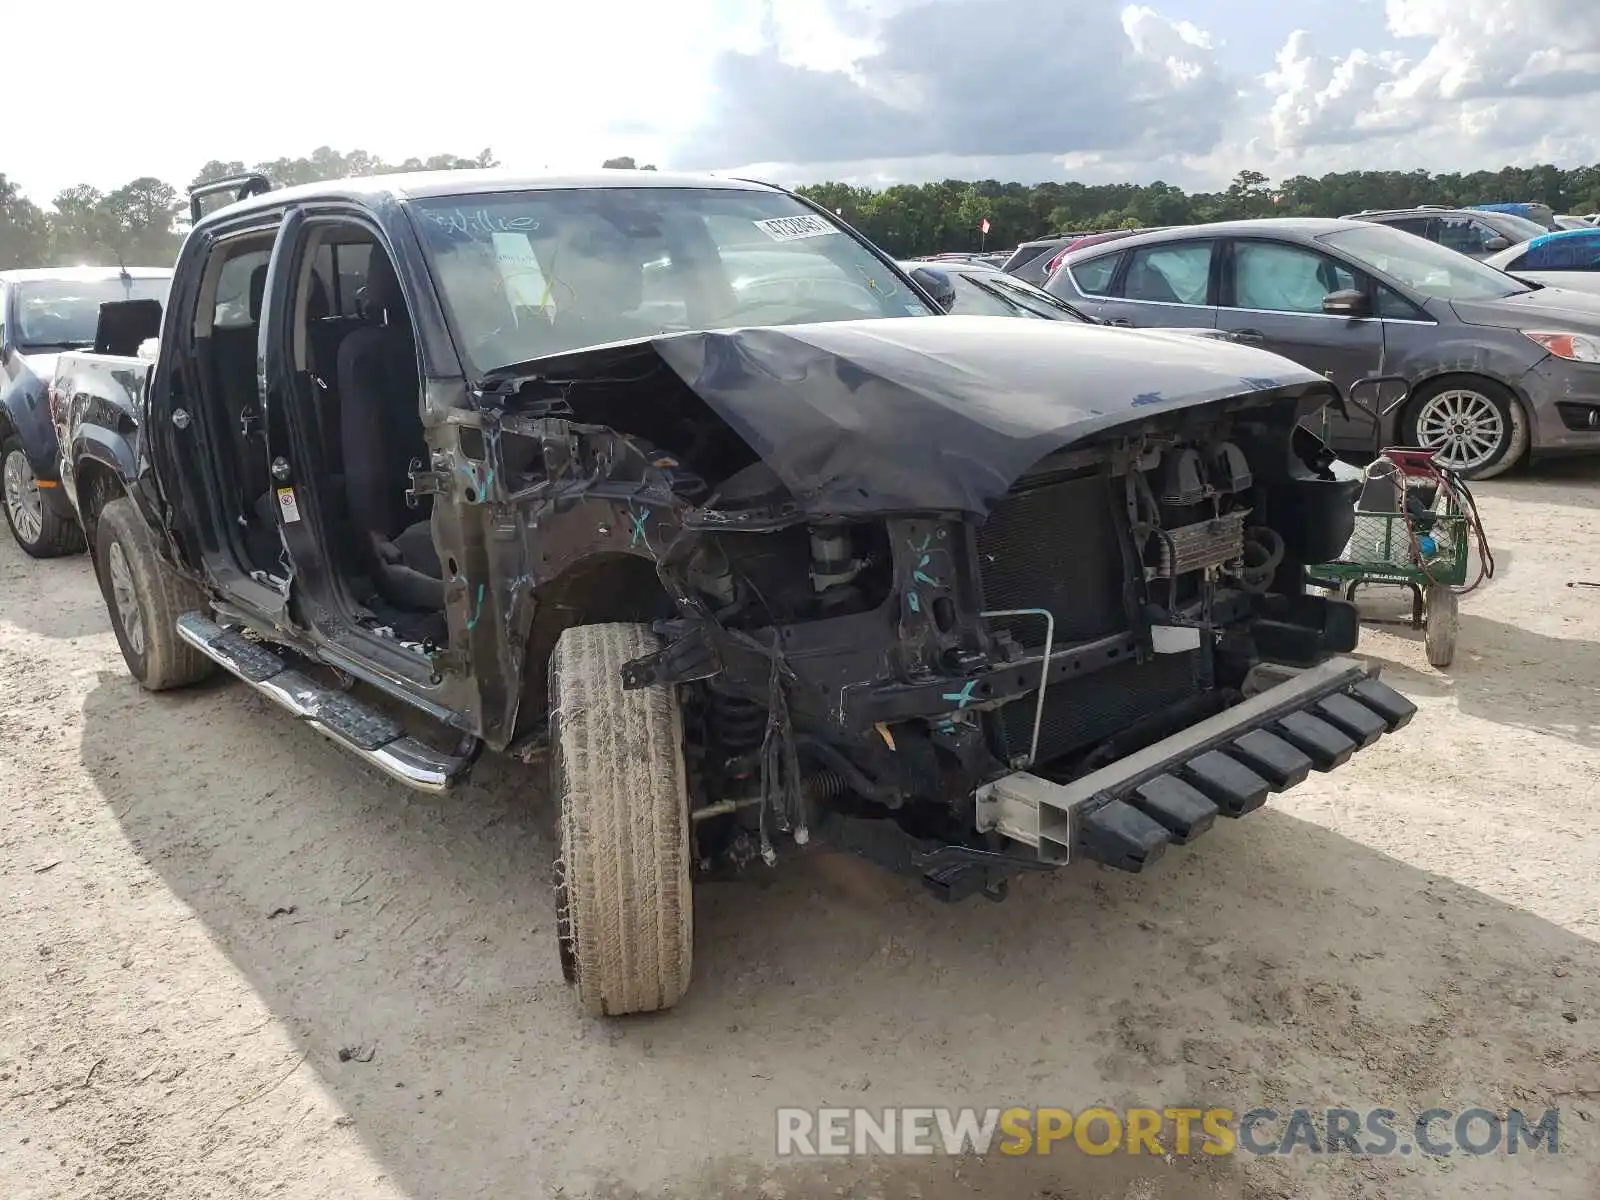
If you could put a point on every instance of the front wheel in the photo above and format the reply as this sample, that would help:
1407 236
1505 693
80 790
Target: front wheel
1442 623
39 529
624 908
1474 426
145 597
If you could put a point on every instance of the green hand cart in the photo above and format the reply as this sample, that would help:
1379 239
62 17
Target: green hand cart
1414 525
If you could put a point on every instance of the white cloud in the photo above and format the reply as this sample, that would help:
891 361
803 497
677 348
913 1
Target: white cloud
1493 82
165 85
870 90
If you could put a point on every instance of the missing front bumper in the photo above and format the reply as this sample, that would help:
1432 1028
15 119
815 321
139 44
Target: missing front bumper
1125 815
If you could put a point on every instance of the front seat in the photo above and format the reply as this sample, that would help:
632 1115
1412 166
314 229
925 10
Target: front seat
379 434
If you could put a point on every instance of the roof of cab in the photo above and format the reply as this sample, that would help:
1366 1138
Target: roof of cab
419 185
80 274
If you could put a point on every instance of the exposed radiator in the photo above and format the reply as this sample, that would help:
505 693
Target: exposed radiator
1056 548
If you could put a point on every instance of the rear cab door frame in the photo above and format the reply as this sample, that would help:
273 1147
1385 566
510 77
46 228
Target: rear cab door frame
178 450
435 686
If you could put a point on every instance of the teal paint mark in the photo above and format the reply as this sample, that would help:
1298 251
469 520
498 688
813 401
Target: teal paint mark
915 601
477 612
964 697
923 559
638 527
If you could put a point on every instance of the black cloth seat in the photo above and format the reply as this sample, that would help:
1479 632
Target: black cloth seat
380 432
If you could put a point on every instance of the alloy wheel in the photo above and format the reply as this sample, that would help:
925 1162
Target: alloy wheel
23 505
126 598
1465 429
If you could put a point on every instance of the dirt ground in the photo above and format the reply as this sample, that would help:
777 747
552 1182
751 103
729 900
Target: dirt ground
235 963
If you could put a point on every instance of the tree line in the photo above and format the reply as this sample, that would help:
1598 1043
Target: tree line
141 223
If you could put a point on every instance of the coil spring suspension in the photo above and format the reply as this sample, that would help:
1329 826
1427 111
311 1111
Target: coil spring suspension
739 725
820 786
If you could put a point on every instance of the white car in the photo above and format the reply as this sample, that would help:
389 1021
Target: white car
1566 259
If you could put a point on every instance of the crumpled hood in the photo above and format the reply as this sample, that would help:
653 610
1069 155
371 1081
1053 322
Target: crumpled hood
945 414
1555 308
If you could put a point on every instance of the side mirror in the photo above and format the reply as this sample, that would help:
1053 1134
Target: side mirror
937 284
148 348
1346 303
1496 243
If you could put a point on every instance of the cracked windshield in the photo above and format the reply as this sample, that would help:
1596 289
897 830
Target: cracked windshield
530 274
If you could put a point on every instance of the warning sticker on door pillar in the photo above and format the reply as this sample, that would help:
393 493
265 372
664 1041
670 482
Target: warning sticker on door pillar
289 505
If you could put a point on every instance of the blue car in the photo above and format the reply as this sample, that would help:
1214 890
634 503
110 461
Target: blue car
43 312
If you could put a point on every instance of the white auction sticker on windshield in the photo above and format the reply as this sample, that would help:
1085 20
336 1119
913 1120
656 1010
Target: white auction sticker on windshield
792 229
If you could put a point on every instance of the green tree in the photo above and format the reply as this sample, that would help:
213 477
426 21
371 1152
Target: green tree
138 220
24 229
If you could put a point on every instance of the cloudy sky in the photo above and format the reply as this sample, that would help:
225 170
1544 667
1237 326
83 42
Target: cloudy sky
871 91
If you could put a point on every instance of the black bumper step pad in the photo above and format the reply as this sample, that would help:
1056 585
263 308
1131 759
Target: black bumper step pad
1389 704
1233 787
1351 718
1120 836
1324 745
1272 758
1182 810
1128 826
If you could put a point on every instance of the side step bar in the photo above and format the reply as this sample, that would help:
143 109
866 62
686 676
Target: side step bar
375 737
1126 814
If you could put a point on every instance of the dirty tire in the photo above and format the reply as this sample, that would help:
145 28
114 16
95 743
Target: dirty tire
1514 445
57 536
1443 621
625 914
158 658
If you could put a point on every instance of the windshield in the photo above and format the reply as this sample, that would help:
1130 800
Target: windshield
1518 229
530 274
55 314
1000 295
1424 266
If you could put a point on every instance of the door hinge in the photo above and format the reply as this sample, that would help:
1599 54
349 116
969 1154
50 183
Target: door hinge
425 483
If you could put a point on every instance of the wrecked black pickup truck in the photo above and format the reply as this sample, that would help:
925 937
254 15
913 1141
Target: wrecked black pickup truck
682 486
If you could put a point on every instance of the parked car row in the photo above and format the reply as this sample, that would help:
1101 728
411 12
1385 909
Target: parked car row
1499 367
44 312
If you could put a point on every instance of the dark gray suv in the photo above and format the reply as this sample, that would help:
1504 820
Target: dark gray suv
1477 233
1497 367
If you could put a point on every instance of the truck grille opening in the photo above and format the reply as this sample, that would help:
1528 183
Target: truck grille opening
1055 547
